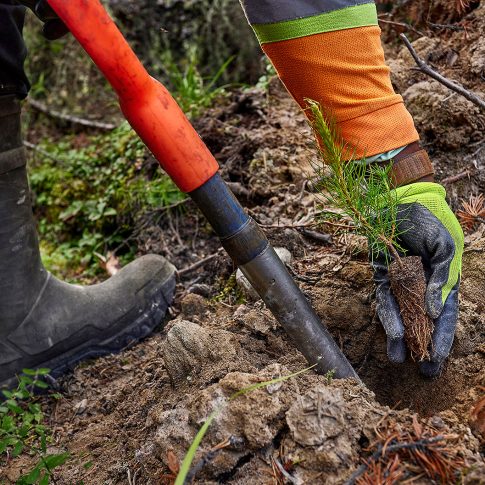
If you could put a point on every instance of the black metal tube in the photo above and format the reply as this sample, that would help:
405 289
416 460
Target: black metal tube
249 248
270 278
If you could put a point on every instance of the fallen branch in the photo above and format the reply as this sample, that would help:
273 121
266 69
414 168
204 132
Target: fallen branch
453 27
36 148
402 24
70 118
455 178
426 69
198 264
318 236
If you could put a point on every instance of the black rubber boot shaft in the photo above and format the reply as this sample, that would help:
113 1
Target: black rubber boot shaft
43 321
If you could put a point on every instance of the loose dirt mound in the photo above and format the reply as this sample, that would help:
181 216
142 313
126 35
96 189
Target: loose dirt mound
141 409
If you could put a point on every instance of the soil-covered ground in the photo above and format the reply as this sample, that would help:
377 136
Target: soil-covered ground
130 418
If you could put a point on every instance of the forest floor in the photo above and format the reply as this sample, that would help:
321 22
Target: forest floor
130 418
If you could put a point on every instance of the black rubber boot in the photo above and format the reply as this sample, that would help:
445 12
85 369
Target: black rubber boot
43 321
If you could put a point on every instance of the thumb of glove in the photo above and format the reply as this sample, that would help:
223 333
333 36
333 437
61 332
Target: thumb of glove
440 264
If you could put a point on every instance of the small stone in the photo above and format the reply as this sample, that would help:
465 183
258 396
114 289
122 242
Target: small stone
243 283
284 255
200 289
81 406
437 422
193 305
246 286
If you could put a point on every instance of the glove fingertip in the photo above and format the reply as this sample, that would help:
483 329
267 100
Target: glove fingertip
434 303
396 350
431 369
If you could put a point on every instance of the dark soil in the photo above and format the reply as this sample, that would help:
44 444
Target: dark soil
408 284
126 418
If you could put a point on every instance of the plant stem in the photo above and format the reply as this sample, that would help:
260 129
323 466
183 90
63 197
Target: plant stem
392 250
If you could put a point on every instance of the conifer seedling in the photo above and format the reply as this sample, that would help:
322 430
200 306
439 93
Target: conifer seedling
362 192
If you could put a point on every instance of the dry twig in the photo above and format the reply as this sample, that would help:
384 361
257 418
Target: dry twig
318 236
198 264
403 25
426 69
457 177
287 226
36 148
452 27
70 118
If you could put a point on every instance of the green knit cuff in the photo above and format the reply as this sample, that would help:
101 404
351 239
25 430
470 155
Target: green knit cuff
345 18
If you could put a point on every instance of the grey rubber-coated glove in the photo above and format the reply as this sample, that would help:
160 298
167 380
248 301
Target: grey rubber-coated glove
427 228
53 28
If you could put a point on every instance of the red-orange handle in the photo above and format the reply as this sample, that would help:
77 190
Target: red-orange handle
146 103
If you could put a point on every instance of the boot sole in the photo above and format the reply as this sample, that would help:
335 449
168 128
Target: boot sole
142 327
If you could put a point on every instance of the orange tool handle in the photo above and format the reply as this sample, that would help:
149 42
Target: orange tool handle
146 103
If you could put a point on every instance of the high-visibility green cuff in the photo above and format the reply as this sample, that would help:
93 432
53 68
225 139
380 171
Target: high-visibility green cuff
345 18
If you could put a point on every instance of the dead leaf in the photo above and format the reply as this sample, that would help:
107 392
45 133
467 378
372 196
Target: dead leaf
173 462
112 264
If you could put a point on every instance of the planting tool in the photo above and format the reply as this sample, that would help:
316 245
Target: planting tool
161 124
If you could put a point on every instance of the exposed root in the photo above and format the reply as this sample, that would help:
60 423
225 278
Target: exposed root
409 288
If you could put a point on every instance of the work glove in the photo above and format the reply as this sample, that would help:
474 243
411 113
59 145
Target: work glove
428 228
53 28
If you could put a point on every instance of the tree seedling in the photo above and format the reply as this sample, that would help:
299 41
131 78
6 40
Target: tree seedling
362 192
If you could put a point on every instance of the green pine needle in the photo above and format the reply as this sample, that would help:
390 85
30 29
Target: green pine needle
360 191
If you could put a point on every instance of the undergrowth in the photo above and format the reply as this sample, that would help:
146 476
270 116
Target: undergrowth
23 430
90 191
193 91
88 198
230 292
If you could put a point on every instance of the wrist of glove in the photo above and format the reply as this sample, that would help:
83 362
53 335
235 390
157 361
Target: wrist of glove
429 229
53 27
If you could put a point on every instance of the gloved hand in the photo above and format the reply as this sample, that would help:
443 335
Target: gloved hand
427 228
53 26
